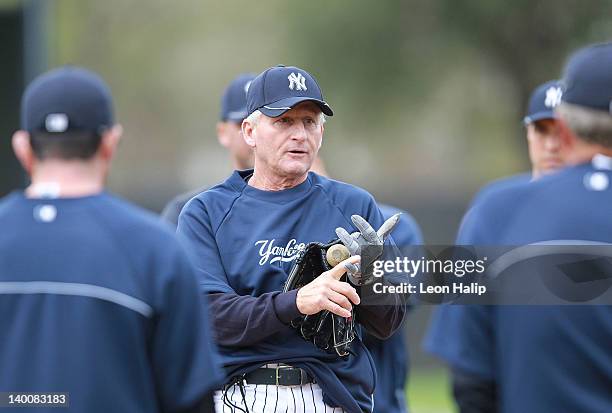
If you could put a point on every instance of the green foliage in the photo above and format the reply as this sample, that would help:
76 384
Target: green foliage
429 391
528 37
428 93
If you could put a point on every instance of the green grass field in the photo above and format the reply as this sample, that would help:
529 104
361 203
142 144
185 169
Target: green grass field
429 392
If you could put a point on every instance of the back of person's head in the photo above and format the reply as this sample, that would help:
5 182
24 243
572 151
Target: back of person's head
586 104
233 100
66 111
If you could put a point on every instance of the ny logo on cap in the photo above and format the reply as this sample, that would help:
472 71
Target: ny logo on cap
56 122
297 82
553 97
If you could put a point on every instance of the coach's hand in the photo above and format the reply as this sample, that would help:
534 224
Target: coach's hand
327 292
366 243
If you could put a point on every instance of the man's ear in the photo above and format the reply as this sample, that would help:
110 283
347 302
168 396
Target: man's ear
322 133
23 150
110 141
529 131
567 137
248 130
222 135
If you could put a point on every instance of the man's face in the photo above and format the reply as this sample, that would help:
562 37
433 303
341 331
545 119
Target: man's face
287 145
230 136
544 140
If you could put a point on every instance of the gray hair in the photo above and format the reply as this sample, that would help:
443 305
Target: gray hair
254 117
590 125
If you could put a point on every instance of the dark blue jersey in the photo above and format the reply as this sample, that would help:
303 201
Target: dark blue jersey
448 322
391 355
498 185
173 209
97 299
544 359
244 241
502 184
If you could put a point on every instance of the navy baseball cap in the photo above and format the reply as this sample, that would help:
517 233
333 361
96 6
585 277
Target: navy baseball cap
67 99
587 78
543 101
233 102
280 88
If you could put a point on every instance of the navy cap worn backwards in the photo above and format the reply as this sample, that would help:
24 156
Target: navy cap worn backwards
543 101
587 78
280 88
67 99
233 102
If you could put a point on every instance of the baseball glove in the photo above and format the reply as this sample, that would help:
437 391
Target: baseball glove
326 330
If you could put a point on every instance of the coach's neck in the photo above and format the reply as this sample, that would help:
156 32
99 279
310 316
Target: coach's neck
274 181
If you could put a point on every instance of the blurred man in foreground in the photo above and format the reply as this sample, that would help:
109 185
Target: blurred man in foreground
97 299
544 358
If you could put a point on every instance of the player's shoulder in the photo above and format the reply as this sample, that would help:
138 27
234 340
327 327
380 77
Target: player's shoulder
549 189
219 198
7 202
346 198
501 197
339 190
502 184
505 189
490 213
178 202
390 210
520 209
133 221
109 210
406 217
580 178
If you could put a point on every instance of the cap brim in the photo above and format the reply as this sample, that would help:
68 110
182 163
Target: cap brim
279 107
548 114
236 116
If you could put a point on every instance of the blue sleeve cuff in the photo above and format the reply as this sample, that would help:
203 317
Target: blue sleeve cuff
285 306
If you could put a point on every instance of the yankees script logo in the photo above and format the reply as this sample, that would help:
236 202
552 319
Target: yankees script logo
297 82
287 253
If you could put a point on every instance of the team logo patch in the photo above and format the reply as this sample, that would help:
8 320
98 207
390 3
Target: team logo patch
45 213
553 97
297 82
272 253
56 122
596 181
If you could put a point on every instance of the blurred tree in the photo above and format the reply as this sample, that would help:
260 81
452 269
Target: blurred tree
375 52
429 93
368 51
530 40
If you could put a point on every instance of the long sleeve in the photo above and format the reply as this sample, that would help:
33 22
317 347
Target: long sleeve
380 314
241 321
473 393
